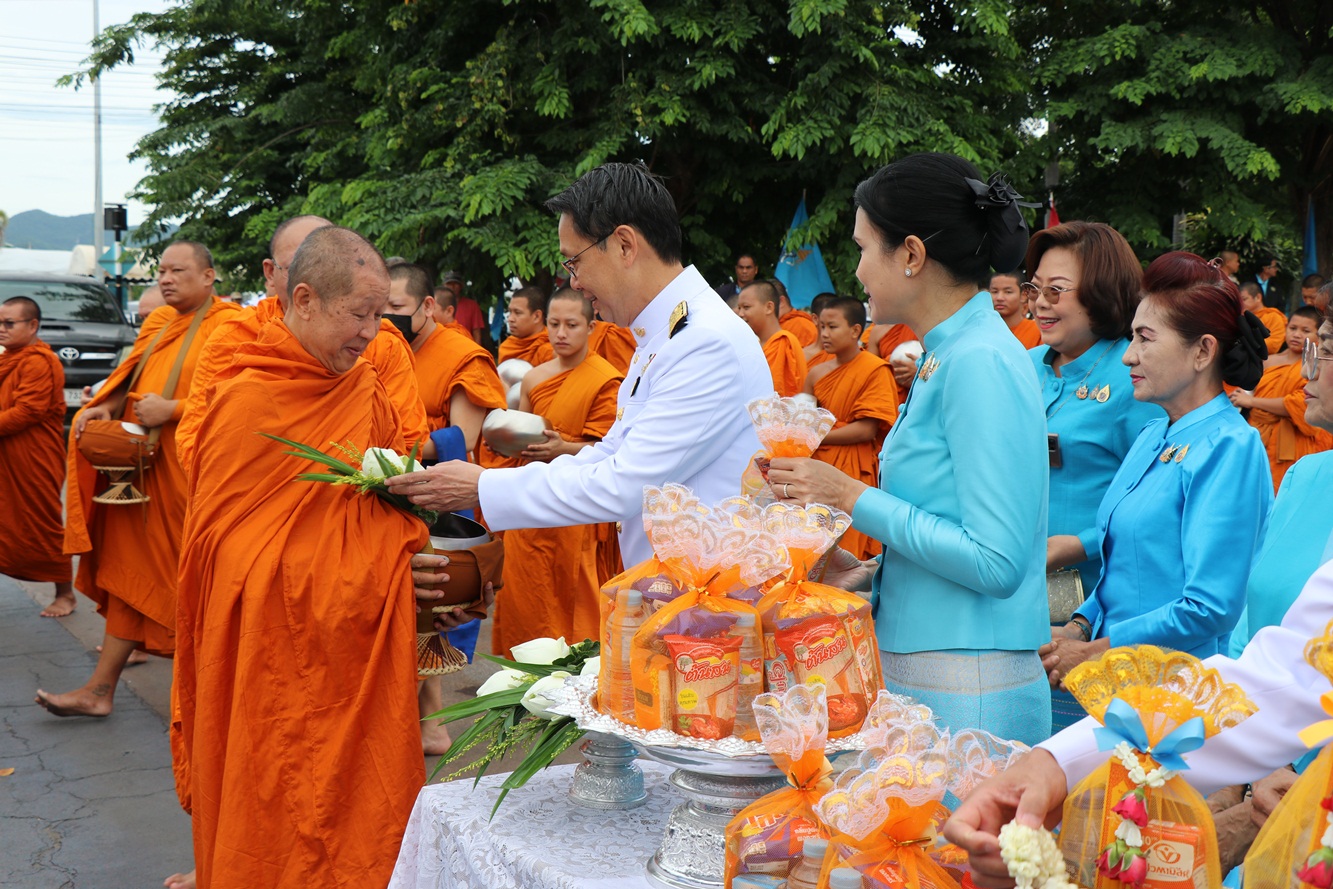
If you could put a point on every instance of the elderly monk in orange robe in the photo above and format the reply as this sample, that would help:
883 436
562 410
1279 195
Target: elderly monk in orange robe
526 320
32 451
1277 406
388 354
1252 300
858 389
802 324
297 655
757 305
614 343
551 574
130 552
1009 303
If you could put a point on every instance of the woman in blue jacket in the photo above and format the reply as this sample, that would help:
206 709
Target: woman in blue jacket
1185 513
960 594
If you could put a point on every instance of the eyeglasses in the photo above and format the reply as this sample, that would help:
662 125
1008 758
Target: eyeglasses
1310 359
1032 291
569 263
9 325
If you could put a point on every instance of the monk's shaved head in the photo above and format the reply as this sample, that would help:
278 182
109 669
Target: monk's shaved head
568 294
763 292
307 223
327 259
851 308
28 306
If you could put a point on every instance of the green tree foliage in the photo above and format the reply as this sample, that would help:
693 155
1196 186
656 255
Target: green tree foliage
1221 111
438 128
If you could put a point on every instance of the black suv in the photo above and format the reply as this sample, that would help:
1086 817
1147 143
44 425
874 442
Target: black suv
81 322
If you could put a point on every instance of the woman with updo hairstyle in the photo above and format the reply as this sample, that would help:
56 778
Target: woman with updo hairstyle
960 595
1181 522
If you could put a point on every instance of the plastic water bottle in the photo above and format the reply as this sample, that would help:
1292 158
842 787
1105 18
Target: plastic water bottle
805 875
844 878
752 674
628 616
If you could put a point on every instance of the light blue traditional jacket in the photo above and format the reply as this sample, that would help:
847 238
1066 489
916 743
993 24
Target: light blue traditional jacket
1179 529
1095 432
961 507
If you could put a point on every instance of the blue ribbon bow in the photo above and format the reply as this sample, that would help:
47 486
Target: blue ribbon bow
1123 724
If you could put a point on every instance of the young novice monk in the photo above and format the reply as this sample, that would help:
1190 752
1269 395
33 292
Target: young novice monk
858 389
1009 302
757 306
551 574
526 318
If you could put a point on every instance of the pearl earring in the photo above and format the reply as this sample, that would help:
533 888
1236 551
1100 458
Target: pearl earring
907 272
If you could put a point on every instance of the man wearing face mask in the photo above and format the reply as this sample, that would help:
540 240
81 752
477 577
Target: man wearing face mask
455 377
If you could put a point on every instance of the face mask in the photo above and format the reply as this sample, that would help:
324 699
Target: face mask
404 325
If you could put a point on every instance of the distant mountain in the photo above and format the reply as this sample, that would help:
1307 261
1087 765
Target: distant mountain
39 230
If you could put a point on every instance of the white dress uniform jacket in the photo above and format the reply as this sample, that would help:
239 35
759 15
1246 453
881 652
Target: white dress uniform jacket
680 418
1273 672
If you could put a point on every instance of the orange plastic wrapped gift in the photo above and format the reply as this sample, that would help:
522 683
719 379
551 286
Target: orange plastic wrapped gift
1295 846
787 427
1134 820
713 559
766 836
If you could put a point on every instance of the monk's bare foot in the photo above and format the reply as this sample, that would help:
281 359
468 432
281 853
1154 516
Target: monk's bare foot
136 657
83 702
435 740
62 606
180 881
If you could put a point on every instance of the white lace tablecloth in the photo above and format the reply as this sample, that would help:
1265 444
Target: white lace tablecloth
538 839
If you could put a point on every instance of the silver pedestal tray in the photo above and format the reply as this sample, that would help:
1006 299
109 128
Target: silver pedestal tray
608 777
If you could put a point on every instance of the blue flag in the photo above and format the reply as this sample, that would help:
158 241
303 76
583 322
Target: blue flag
802 268
1311 264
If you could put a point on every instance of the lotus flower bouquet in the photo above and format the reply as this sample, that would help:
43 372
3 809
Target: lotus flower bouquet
377 464
513 711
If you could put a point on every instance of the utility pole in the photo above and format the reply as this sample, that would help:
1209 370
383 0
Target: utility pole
99 231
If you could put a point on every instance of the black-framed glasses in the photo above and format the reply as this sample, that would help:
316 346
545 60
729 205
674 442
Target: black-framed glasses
569 263
1052 293
9 325
1310 359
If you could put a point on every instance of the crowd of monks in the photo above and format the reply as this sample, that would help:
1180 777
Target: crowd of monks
288 607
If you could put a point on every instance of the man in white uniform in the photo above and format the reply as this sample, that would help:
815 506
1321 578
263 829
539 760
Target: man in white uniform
1275 676
681 411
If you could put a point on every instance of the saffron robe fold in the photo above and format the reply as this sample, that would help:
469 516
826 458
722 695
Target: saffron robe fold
448 361
388 353
459 329
32 451
861 389
1286 439
614 343
552 575
130 552
895 336
1276 322
786 361
801 324
819 358
297 662
535 349
1028 333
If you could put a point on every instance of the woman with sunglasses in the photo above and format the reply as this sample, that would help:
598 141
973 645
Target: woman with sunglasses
1184 515
960 596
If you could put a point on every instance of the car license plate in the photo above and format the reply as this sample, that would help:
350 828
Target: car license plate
73 397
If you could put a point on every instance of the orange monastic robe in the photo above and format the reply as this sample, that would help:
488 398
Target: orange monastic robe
551 577
801 324
130 553
861 389
297 662
458 328
535 349
896 335
449 361
786 360
1276 322
388 353
1286 439
32 452
819 358
614 343
1028 333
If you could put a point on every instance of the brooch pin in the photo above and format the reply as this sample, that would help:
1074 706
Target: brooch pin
1082 393
929 367
620 414
1180 454
1103 394
1168 453
640 332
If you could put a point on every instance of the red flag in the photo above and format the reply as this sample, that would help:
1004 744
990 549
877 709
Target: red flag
1052 218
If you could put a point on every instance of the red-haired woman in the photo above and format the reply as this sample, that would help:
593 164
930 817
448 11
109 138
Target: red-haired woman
1183 516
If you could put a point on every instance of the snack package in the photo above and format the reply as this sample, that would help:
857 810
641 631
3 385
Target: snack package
1134 819
787 427
766 836
1295 845
885 812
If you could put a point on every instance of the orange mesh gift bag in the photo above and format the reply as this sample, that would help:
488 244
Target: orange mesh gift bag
766 836
1134 821
1295 845
786 427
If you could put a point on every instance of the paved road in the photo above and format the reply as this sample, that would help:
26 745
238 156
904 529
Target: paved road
91 803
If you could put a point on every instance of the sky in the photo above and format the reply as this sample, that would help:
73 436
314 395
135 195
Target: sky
46 131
